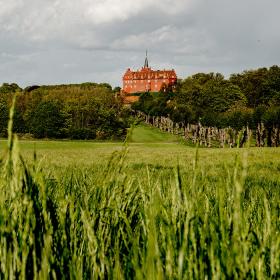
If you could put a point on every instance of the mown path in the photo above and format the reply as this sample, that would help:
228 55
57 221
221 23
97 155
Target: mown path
147 134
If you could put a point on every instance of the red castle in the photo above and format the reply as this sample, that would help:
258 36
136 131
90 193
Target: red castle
146 80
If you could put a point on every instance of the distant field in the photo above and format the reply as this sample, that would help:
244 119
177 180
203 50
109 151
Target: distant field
153 208
148 146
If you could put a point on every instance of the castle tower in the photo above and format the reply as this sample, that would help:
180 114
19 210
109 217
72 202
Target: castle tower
146 64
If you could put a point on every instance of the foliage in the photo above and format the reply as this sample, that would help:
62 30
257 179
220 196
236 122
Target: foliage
47 120
154 103
239 117
4 116
215 101
85 111
9 88
260 86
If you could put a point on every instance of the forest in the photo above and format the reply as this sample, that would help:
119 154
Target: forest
84 111
242 99
94 111
207 107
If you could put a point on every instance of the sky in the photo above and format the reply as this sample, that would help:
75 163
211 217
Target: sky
75 41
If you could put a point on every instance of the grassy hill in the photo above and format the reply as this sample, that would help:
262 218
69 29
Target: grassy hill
146 134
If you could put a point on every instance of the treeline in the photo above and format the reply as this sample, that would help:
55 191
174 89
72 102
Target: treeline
81 111
92 111
249 99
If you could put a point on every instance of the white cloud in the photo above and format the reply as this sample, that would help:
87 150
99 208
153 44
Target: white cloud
104 11
43 20
146 39
8 7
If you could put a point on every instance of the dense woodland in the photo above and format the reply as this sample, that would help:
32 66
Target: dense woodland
247 100
243 99
92 111
85 111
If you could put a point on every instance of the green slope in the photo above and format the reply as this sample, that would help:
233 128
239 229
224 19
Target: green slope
146 134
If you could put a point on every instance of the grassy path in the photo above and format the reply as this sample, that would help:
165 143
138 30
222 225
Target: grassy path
147 134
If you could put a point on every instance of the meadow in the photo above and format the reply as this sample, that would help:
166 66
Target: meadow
150 208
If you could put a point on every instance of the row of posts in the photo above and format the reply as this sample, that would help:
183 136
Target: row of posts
213 136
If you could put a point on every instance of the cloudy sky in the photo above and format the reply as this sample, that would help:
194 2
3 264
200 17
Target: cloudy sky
73 41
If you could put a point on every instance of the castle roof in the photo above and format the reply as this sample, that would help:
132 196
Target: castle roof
148 73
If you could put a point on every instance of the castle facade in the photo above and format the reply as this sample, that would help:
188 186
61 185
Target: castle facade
146 80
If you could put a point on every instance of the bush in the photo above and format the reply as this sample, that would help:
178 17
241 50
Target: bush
82 133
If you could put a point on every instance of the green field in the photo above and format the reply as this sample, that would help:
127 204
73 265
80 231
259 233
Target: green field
153 208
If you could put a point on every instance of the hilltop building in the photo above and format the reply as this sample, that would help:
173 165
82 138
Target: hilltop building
146 80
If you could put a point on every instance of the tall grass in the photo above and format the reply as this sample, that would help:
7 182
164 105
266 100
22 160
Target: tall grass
144 222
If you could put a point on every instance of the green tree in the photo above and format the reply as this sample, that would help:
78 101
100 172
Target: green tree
48 120
9 88
4 116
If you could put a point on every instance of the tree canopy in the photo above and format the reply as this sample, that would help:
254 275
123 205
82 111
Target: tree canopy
84 111
242 99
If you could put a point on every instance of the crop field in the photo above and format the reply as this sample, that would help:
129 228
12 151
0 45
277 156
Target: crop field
150 208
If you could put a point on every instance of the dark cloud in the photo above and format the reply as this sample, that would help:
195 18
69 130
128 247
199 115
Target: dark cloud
67 41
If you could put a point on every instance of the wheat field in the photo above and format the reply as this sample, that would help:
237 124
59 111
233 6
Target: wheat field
152 208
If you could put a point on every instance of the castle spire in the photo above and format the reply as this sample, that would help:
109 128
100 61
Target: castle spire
146 65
